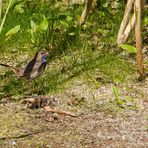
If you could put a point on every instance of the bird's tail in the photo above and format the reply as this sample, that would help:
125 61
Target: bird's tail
14 69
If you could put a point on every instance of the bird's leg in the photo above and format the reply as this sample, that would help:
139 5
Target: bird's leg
31 86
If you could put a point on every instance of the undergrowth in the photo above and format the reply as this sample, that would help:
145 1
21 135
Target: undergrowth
74 51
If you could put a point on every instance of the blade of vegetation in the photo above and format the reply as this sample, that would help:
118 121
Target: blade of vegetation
129 48
1 3
33 26
13 31
116 92
4 18
44 24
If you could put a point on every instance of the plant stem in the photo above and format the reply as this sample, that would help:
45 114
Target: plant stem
4 18
1 3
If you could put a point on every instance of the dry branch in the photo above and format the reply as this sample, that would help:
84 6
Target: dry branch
129 28
47 108
24 135
44 102
138 37
124 21
89 5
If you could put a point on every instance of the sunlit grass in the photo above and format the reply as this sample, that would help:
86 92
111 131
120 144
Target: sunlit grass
67 68
75 53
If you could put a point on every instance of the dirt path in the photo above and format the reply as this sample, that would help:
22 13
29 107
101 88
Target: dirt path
100 123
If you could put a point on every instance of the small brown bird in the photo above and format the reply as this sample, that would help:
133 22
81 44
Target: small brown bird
33 69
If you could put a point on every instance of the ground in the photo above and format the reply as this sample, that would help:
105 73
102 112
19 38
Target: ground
100 121
86 75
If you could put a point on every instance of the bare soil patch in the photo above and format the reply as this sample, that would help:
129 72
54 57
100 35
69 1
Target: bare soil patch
99 124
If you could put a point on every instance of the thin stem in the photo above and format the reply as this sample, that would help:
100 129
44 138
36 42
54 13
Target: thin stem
4 18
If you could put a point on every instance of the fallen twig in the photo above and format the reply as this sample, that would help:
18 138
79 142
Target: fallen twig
25 134
47 108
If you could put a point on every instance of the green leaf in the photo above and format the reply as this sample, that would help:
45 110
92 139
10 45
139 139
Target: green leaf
19 8
71 33
64 24
116 92
128 98
129 48
33 40
145 21
13 31
33 26
120 102
69 18
44 24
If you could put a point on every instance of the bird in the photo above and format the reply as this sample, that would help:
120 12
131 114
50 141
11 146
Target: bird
33 69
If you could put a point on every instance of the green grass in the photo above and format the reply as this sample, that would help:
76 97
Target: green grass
73 56
86 64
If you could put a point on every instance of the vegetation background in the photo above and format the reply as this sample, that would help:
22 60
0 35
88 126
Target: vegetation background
82 61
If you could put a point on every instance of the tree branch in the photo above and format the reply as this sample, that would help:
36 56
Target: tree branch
89 5
124 21
47 108
129 28
138 37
